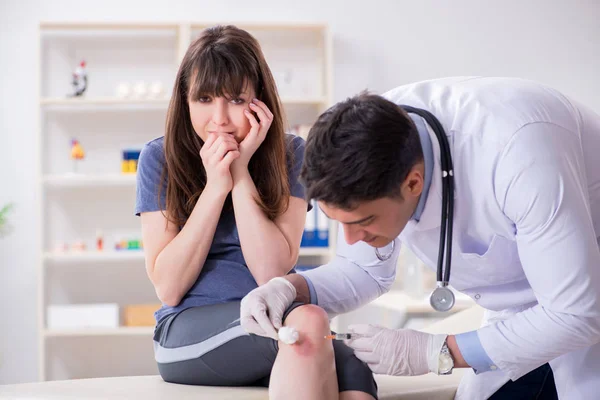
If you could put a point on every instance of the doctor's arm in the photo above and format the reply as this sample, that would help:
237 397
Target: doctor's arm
353 278
356 277
541 186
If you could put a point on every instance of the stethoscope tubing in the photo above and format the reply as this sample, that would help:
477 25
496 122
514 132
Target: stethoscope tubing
447 218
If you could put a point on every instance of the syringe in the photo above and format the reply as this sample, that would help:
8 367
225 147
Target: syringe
342 336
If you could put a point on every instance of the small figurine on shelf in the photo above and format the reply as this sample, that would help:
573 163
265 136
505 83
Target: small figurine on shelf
123 90
156 90
77 153
79 81
140 90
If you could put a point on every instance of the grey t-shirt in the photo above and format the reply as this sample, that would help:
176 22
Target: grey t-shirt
224 276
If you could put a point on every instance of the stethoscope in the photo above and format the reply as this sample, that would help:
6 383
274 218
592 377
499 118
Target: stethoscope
442 298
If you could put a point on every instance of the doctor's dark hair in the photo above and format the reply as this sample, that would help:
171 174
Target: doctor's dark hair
360 149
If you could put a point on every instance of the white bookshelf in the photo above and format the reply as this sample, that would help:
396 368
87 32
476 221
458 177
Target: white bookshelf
90 257
110 256
88 180
90 332
79 102
73 205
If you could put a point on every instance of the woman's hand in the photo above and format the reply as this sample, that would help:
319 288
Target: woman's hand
257 134
218 153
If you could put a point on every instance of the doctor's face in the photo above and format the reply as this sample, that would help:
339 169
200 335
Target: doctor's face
378 222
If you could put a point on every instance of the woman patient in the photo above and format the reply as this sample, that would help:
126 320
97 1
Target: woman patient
222 211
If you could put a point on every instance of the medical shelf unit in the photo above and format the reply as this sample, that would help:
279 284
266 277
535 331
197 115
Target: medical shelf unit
130 68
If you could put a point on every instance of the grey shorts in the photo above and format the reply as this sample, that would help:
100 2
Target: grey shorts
207 346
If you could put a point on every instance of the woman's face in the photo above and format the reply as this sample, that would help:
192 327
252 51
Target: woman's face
222 115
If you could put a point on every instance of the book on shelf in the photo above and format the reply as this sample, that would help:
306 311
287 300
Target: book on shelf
316 228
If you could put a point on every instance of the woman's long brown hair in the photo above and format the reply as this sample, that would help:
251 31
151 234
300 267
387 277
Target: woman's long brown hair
220 62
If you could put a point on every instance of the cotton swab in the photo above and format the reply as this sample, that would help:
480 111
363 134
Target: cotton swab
288 335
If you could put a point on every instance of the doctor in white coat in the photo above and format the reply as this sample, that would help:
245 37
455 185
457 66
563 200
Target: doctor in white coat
525 242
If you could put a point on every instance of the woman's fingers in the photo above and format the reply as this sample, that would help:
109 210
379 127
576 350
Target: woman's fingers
214 142
254 126
262 115
265 116
264 108
208 144
223 148
215 145
253 122
229 157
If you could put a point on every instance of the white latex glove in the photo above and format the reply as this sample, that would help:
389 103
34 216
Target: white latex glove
397 352
262 309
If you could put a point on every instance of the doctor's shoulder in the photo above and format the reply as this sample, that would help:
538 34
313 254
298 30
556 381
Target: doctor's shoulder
418 93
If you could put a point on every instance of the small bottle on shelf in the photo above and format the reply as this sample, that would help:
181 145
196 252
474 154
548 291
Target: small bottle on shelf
99 241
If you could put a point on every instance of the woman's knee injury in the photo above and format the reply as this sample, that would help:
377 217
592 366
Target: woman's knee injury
308 315
312 324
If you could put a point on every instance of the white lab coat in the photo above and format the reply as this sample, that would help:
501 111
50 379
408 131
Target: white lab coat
526 226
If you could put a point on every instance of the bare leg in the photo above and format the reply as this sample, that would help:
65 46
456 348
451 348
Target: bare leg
306 369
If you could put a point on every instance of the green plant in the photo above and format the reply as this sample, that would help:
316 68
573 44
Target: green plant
3 214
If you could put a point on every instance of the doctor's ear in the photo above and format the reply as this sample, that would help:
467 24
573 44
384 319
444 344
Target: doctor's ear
414 182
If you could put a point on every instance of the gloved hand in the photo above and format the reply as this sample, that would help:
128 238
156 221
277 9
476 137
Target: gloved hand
397 352
262 309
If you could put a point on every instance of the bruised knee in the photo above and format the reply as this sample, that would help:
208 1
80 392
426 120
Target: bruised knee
312 324
309 316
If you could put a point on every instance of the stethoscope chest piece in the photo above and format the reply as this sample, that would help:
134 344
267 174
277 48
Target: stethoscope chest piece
442 299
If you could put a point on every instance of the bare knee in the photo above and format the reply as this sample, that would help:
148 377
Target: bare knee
312 324
310 317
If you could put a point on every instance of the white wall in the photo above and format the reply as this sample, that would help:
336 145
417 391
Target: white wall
378 45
